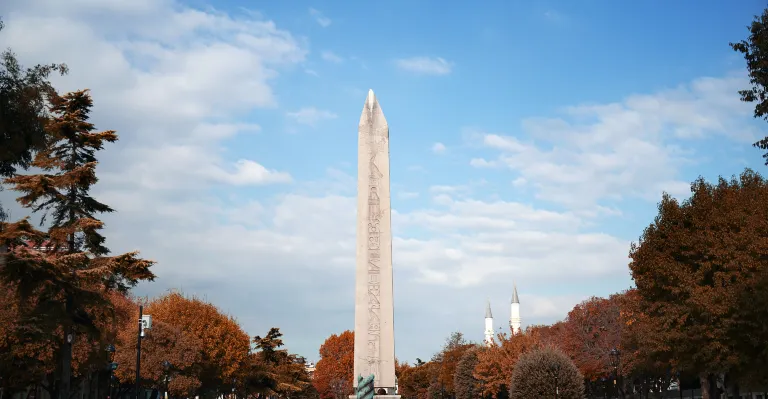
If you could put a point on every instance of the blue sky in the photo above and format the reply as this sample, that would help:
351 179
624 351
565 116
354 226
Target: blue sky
530 142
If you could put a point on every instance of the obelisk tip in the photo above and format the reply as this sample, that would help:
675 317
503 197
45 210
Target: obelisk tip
371 98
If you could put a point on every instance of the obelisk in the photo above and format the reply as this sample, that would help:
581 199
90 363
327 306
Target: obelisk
374 308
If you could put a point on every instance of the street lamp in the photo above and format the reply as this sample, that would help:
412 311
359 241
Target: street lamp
111 367
615 362
166 369
554 371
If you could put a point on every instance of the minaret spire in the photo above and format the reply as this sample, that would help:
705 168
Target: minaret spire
488 323
514 311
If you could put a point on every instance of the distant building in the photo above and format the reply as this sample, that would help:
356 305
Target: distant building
310 367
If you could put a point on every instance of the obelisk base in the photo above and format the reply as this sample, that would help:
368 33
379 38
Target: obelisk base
379 397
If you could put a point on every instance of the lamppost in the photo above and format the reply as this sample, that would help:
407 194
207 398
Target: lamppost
111 367
167 376
615 362
554 371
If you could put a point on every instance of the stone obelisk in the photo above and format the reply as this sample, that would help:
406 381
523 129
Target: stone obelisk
374 308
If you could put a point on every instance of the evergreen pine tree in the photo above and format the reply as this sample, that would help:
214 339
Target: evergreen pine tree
63 285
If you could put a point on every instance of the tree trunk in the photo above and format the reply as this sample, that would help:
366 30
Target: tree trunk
66 358
708 386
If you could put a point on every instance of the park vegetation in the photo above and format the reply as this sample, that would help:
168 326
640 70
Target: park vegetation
68 320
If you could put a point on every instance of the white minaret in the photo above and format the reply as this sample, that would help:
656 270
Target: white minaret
488 324
514 314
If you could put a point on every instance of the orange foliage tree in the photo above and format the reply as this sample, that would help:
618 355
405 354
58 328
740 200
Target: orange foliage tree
333 372
591 330
224 345
164 342
454 348
415 382
496 363
697 266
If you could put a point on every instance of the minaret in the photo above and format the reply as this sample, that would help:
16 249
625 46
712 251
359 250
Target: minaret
488 324
514 314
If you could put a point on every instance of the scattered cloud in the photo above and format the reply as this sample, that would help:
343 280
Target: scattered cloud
425 65
603 153
438 148
331 57
321 19
311 72
310 116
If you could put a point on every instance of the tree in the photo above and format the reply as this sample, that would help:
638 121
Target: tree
496 363
164 342
23 94
281 373
591 330
415 382
448 358
755 52
465 384
224 345
334 371
698 271
543 372
68 280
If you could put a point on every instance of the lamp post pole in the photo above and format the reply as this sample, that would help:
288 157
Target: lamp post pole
166 376
138 353
615 356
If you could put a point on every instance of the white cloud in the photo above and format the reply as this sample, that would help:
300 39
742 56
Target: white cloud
425 65
321 19
438 148
310 116
331 57
311 72
608 152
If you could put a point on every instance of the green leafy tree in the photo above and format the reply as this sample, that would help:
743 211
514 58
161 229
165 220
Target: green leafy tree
546 373
755 52
64 284
699 269
23 93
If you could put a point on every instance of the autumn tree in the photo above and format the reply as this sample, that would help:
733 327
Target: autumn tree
698 271
334 371
65 284
415 382
448 358
224 345
496 363
466 386
163 343
591 329
546 373
755 52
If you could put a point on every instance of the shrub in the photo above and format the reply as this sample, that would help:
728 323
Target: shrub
539 371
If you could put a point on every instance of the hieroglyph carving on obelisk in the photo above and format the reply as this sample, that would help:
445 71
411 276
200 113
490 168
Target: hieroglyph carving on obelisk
374 310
